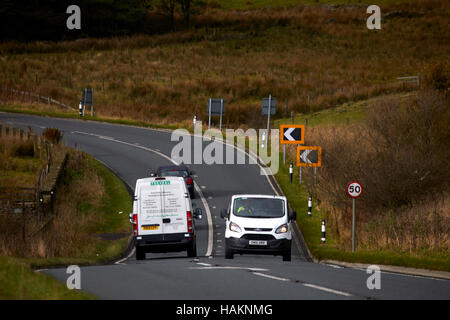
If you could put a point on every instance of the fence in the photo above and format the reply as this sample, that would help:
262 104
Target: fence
411 79
12 94
33 206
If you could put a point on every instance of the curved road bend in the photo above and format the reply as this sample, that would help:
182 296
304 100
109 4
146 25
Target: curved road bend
133 152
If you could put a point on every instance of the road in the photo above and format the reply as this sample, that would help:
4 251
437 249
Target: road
132 153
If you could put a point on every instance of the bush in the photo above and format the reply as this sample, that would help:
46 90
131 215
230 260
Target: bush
53 135
25 149
400 155
438 77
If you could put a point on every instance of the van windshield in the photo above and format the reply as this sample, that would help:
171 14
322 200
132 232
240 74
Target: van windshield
174 173
258 208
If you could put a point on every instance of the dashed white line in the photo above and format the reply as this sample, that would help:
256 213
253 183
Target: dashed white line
327 289
269 276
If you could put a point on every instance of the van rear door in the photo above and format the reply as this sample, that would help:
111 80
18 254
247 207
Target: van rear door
162 206
175 196
150 206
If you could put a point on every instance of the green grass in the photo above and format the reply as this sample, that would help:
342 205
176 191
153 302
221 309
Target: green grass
311 226
113 219
19 281
311 230
349 112
67 114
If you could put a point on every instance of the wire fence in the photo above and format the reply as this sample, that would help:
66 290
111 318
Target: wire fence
14 94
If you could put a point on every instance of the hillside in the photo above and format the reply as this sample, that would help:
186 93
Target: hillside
309 57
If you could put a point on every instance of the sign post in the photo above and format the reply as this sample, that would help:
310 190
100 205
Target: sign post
209 112
215 107
88 98
354 190
268 107
291 134
308 156
268 119
221 112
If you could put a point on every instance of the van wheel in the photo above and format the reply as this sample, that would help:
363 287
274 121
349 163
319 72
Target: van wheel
287 256
192 250
140 253
229 254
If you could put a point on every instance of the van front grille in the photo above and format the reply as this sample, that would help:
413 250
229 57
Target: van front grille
258 229
253 236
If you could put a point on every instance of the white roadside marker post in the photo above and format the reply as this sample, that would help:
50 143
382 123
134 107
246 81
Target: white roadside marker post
291 172
309 206
323 231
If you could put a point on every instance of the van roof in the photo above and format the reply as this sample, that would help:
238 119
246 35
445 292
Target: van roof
160 178
267 196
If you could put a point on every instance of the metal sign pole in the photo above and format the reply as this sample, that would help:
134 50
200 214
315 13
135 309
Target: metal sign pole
221 109
268 120
92 102
300 172
284 154
209 122
353 224
315 176
84 101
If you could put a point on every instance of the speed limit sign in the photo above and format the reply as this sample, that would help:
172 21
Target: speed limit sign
354 189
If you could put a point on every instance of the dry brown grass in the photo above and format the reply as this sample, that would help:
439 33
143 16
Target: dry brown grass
19 163
68 232
400 155
310 58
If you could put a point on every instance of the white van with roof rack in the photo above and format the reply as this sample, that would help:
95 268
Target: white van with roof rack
258 224
162 217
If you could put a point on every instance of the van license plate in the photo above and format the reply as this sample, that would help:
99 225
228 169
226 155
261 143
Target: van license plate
257 243
150 227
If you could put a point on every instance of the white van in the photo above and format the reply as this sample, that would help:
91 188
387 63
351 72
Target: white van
258 224
162 217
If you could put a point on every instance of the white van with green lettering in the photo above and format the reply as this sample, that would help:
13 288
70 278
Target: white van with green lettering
162 217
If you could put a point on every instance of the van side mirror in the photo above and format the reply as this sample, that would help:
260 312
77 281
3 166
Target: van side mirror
224 214
293 215
198 214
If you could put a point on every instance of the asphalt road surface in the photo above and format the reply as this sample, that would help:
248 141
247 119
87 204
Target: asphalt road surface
132 153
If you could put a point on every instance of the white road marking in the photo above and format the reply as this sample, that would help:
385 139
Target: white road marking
126 258
40 270
327 289
228 268
205 204
269 276
204 264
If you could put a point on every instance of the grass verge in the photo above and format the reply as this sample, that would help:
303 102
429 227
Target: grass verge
297 195
311 230
19 282
90 226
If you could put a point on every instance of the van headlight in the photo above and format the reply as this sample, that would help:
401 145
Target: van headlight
282 229
234 227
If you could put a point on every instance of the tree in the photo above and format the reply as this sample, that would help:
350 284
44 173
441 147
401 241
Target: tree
167 8
186 10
